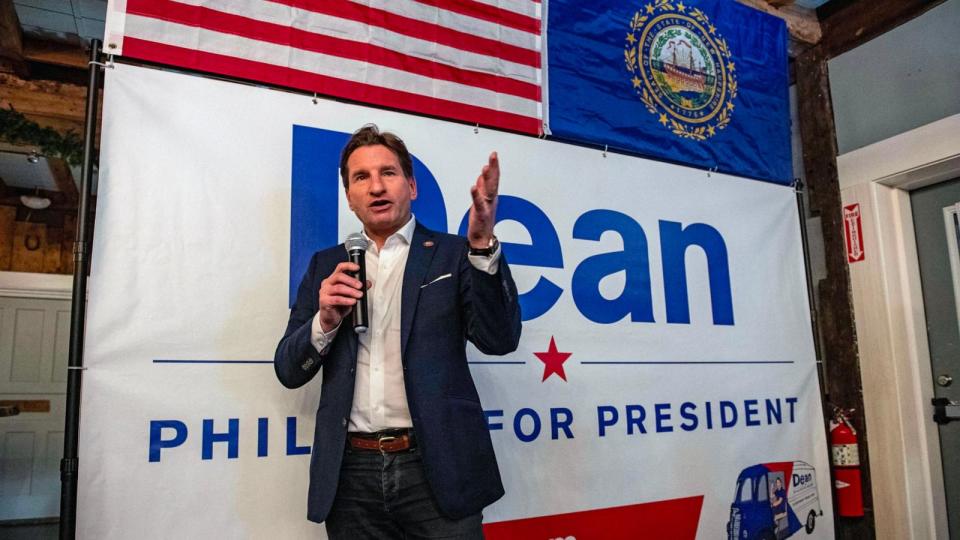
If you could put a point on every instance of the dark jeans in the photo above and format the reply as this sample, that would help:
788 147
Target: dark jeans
382 496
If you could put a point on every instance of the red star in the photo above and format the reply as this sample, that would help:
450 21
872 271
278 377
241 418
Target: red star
553 361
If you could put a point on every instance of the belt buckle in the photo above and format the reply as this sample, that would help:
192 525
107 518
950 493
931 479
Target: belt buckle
381 440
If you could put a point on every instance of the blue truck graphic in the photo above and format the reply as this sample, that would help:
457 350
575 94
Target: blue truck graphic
773 501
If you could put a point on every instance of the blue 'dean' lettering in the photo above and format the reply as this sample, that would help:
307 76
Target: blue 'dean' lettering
674 241
635 300
314 218
542 251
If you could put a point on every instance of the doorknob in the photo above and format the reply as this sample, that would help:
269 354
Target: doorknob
945 410
944 380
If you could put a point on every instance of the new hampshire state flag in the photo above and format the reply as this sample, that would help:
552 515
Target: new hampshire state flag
698 82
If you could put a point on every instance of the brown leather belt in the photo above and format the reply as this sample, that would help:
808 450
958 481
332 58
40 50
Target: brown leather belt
385 442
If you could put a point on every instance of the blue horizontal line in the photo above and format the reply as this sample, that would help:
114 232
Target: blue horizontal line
213 361
690 363
660 363
498 362
159 361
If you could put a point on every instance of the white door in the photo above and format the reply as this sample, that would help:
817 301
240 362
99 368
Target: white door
34 340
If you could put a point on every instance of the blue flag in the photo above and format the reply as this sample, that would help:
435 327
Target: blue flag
698 82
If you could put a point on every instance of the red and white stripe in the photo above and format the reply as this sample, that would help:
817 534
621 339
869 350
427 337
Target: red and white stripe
477 61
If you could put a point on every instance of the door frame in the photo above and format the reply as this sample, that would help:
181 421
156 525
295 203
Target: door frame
905 462
31 285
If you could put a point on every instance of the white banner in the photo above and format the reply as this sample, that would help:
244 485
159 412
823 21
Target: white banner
665 384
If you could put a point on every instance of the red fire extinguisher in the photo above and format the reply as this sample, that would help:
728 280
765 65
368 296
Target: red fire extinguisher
846 466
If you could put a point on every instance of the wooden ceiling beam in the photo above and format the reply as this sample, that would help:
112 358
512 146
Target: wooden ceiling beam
53 104
859 22
57 53
11 39
43 98
802 23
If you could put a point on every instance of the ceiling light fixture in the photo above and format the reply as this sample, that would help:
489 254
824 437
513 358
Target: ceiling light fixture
35 201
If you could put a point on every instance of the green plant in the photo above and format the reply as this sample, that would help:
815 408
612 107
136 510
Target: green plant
15 128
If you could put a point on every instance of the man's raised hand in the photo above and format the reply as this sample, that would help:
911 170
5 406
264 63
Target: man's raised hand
483 212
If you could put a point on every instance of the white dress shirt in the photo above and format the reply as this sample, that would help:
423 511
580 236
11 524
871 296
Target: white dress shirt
379 397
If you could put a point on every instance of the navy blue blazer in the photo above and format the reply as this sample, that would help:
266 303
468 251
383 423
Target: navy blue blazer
436 320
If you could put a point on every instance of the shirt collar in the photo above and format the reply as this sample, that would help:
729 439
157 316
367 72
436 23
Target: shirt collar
404 233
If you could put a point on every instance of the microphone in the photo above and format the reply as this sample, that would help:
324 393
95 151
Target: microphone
356 246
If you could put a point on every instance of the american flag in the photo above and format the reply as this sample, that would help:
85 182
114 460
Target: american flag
477 61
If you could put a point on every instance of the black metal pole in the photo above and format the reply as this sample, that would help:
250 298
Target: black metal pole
814 318
81 250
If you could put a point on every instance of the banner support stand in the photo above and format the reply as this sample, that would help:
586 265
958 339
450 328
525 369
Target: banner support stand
808 272
81 250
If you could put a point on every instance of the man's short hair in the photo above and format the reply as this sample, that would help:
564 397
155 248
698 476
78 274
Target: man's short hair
370 135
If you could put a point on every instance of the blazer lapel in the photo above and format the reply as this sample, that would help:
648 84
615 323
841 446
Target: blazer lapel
418 262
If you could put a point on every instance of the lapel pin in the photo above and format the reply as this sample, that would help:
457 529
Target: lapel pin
428 244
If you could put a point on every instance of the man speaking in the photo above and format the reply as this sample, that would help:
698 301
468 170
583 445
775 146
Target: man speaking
401 447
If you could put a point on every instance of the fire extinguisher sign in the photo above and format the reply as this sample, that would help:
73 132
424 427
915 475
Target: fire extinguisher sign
854 232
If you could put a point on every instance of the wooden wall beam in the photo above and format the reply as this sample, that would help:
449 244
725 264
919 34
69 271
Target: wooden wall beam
859 22
67 262
841 361
28 241
11 39
52 252
63 178
8 216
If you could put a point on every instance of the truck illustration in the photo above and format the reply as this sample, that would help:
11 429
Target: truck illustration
773 501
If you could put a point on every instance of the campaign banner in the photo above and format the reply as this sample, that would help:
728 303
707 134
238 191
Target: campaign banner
701 82
664 386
